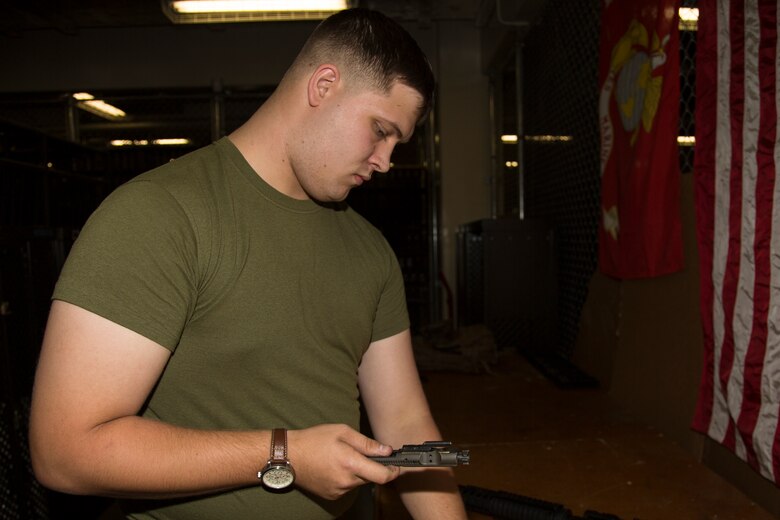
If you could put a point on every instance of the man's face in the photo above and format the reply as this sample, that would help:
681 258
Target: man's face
350 137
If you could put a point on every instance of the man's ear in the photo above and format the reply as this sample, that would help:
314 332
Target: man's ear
322 82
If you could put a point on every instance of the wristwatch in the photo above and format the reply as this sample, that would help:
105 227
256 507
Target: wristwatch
278 472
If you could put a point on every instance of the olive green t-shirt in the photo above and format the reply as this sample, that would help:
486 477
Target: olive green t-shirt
266 303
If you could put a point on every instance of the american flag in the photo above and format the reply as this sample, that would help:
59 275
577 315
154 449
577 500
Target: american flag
738 212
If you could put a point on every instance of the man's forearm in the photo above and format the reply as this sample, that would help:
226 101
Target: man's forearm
430 494
399 414
134 457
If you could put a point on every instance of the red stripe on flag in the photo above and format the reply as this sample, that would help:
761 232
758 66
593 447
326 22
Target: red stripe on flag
704 165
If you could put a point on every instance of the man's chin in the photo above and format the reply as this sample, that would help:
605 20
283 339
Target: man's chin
330 198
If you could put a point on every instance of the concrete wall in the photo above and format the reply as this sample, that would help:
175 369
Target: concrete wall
464 126
151 57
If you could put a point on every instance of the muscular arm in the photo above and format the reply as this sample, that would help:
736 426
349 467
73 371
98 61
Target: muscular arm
399 414
86 437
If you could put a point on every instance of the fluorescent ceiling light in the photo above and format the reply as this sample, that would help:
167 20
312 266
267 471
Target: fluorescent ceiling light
245 6
129 142
549 138
220 11
172 141
686 140
98 107
511 139
689 18
689 14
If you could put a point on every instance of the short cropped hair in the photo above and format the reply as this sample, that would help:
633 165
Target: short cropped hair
372 48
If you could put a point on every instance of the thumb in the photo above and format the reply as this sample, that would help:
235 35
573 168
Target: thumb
373 447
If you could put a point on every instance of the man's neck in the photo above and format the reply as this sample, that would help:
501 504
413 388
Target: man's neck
261 140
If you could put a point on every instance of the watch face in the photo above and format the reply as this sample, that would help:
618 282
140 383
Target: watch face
278 477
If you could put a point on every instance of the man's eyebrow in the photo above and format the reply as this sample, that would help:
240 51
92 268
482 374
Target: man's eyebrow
399 133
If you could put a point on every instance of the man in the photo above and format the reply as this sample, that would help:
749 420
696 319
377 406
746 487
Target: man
230 294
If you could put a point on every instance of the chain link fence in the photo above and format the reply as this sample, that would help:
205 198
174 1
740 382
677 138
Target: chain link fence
561 172
687 93
561 149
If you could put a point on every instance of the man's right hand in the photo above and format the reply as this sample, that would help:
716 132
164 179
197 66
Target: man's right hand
332 459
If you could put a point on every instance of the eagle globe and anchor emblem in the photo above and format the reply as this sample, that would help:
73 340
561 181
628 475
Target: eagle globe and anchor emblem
637 94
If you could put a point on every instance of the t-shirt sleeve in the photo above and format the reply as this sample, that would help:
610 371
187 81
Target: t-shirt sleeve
134 263
392 315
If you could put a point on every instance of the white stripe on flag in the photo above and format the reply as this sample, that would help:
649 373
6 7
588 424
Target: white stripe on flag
743 309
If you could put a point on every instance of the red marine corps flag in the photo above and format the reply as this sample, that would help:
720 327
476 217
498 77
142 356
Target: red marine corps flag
738 218
639 74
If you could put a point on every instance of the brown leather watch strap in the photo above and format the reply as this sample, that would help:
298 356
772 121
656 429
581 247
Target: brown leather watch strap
279 445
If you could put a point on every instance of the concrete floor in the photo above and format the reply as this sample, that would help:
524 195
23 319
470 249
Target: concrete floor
570 447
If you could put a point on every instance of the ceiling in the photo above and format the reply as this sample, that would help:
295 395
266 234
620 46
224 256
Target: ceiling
71 16
187 113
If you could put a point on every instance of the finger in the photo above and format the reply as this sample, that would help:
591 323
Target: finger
378 473
368 446
364 468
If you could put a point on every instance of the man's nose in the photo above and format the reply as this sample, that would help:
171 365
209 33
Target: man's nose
380 160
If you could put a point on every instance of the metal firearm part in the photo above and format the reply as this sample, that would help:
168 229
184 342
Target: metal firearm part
427 454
